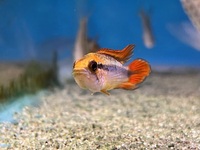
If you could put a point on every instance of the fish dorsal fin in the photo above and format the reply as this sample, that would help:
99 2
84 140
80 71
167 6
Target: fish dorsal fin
120 55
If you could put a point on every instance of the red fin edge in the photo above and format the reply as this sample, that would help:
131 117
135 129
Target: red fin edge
120 55
139 69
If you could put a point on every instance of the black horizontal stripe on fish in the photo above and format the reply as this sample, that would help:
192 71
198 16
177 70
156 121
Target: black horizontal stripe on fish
111 68
114 68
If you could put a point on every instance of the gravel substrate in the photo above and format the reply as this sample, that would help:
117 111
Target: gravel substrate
163 114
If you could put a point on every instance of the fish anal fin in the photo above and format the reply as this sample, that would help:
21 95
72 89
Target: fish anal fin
105 92
138 70
127 86
120 55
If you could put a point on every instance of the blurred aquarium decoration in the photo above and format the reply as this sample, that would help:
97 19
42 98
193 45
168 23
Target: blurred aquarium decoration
39 40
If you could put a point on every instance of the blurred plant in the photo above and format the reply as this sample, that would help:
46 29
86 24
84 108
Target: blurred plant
36 76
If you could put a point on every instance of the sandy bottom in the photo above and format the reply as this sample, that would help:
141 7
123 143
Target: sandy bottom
163 114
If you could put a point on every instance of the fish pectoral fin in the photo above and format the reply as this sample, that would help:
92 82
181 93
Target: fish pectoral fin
105 92
120 55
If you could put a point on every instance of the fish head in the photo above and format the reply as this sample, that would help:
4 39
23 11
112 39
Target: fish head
85 72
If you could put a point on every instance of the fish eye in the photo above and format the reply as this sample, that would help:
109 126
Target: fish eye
92 66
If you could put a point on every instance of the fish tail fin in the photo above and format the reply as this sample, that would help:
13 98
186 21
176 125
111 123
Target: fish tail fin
138 70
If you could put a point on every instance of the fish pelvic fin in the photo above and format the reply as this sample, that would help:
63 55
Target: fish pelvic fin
120 55
138 70
105 92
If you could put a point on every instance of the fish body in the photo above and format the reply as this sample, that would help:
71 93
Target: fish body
104 70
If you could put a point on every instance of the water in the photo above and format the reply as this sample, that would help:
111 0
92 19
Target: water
29 25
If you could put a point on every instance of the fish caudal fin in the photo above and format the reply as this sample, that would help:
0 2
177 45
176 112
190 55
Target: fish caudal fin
138 70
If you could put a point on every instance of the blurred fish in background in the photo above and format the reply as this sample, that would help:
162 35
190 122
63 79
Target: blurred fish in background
192 9
83 44
148 37
188 32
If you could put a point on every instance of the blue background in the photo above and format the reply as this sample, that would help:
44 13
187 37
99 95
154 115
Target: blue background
33 28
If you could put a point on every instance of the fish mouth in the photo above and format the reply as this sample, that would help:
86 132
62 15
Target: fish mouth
81 71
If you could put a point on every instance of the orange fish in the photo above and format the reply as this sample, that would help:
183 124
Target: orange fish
103 71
